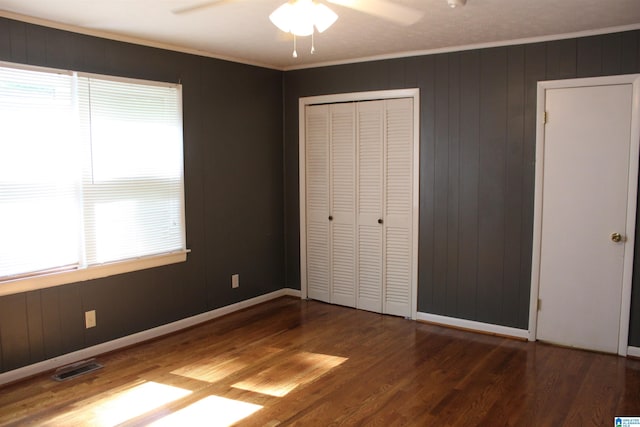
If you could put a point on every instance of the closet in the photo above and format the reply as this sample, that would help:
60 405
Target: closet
359 203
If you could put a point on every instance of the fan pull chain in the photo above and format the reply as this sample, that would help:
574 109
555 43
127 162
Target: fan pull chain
313 47
295 52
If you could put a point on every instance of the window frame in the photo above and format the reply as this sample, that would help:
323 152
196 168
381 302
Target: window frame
62 276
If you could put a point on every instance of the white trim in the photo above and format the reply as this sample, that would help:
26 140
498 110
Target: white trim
415 211
634 152
630 232
356 97
461 48
89 273
472 325
38 68
537 215
132 80
302 185
633 351
137 338
291 292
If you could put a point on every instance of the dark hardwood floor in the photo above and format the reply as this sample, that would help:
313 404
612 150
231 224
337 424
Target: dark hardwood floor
292 362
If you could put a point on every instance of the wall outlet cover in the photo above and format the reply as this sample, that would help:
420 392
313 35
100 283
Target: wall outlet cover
90 319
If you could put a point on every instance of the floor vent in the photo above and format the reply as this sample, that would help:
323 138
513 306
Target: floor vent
76 369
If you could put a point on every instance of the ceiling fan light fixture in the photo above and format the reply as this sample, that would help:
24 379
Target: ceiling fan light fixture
456 3
281 17
300 16
324 17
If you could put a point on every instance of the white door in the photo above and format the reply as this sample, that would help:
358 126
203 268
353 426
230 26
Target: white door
398 178
342 197
584 202
370 204
330 198
317 202
385 189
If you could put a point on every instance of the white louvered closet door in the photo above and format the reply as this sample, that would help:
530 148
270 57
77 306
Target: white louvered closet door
359 200
398 177
317 202
370 204
343 203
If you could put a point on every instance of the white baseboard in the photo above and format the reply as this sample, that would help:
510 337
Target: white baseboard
89 352
633 351
292 292
473 325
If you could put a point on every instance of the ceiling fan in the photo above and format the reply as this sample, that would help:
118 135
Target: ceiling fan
304 17
384 9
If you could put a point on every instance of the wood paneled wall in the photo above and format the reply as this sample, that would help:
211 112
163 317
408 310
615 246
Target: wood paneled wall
477 154
233 190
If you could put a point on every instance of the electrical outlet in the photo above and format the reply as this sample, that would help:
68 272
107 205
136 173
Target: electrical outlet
235 280
90 319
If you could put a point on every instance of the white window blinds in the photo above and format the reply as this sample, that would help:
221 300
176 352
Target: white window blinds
91 171
39 184
133 182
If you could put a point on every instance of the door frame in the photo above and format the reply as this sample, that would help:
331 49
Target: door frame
413 93
630 227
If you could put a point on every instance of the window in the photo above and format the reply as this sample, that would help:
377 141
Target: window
91 176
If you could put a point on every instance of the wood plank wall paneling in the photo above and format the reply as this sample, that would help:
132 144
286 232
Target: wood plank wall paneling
589 57
15 339
491 184
18 42
441 189
611 54
35 326
5 38
426 225
513 183
477 164
561 59
469 176
233 190
453 187
630 55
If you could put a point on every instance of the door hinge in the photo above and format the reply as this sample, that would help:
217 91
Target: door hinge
539 304
545 117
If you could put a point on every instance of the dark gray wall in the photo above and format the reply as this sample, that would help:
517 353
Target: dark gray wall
233 189
477 152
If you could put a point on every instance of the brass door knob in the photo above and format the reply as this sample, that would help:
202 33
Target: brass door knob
616 237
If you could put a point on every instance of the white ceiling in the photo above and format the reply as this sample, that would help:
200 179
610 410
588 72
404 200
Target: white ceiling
240 29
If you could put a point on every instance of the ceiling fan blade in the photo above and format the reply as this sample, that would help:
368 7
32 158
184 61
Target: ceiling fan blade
384 9
199 6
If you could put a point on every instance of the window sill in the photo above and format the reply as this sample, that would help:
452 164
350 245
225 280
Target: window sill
95 272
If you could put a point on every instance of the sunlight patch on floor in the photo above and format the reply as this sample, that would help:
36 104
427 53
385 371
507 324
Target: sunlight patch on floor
213 369
212 411
210 371
135 402
119 405
289 373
